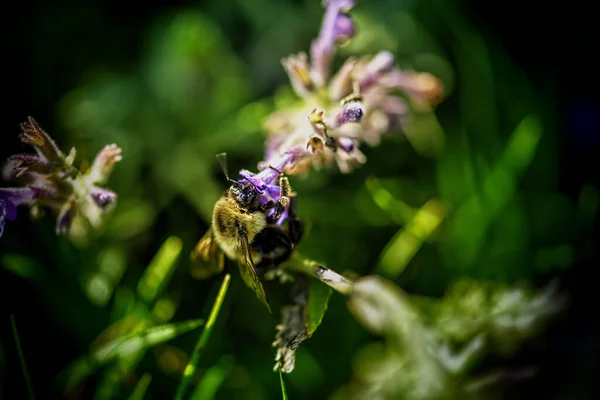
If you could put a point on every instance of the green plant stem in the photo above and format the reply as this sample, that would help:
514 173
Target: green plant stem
203 340
283 390
22 358
337 282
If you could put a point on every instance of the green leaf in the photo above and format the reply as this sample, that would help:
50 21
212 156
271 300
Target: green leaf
398 210
318 299
203 340
213 379
141 387
125 346
283 391
24 267
159 271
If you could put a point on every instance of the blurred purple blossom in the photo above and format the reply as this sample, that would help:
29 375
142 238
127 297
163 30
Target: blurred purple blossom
359 103
50 180
10 199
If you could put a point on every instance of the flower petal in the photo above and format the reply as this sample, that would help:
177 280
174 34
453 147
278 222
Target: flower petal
349 160
352 111
337 26
298 71
380 63
104 163
65 217
340 84
420 86
344 28
10 198
8 211
16 196
44 145
22 163
103 197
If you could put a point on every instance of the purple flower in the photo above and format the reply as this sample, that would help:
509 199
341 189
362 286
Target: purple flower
360 103
51 181
10 199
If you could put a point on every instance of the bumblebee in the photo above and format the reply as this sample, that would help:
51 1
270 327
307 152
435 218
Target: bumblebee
245 229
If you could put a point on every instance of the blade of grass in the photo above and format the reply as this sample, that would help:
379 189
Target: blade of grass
140 389
500 185
149 289
126 346
283 391
405 244
160 269
398 210
213 379
21 357
203 340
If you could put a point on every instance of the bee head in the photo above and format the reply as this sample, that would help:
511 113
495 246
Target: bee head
243 193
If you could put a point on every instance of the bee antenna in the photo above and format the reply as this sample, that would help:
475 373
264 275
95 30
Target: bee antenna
222 159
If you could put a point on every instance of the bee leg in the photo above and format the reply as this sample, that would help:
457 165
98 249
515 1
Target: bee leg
284 199
295 226
284 184
267 206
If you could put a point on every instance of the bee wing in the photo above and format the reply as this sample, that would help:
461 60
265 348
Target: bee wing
207 258
249 274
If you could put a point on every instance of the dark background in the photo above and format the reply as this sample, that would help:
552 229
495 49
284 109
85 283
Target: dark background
43 59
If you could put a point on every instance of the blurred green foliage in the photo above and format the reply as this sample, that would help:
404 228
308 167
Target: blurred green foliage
468 192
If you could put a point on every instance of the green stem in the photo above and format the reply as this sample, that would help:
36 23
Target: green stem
22 358
283 390
203 340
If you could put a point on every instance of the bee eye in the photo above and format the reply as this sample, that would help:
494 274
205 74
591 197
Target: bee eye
245 197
